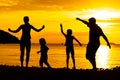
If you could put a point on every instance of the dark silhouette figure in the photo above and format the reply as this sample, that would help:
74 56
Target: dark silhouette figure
25 41
69 45
94 41
43 50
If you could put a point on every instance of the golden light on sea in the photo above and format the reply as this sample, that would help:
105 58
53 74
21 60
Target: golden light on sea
102 57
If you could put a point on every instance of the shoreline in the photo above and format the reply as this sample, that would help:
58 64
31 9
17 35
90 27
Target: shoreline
33 73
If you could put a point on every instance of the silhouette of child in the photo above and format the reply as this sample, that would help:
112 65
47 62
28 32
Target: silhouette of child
94 42
69 45
25 41
43 50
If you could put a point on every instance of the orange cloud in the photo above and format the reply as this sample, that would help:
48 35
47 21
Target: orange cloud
57 4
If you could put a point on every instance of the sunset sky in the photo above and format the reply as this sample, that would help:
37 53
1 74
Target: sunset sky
53 12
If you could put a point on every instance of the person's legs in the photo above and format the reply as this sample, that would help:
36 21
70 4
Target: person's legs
46 61
67 59
41 62
28 48
93 62
73 59
90 54
22 48
47 64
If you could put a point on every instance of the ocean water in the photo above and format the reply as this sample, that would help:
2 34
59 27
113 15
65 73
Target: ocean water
105 57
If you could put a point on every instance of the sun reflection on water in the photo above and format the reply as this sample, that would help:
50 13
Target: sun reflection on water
102 57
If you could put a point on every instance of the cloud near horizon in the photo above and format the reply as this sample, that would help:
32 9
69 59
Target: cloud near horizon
34 4
56 4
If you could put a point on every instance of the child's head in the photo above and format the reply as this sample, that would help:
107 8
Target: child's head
69 32
42 41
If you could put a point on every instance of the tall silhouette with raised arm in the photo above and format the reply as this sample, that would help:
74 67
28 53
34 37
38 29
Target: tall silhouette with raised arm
94 42
69 45
25 41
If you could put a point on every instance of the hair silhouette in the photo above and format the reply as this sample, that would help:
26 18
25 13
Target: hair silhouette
43 50
25 41
94 42
69 45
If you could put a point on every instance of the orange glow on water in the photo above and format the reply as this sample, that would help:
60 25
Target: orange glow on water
102 57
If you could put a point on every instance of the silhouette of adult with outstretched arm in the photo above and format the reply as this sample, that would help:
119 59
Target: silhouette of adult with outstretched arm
69 45
94 42
25 41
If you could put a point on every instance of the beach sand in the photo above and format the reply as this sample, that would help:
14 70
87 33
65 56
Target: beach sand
36 73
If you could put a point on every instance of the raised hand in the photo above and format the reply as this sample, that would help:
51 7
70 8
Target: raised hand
60 25
78 18
9 29
43 26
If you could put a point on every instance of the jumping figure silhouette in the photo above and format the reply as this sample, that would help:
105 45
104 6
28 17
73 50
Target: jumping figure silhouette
43 50
69 45
25 41
94 42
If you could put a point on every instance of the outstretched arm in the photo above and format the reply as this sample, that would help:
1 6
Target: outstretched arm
85 22
62 30
108 44
15 31
78 41
38 29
